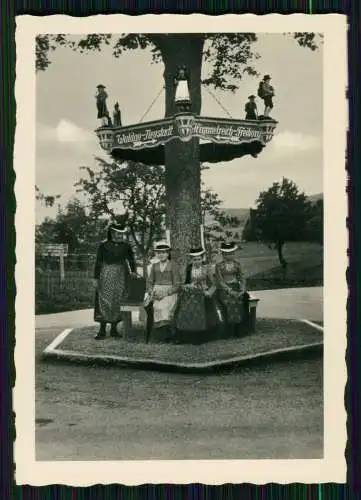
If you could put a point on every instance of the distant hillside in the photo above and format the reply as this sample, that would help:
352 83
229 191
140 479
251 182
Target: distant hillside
241 213
315 197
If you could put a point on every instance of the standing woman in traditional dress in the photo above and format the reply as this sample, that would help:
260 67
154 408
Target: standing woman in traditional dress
198 314
231 285
114 265
161 295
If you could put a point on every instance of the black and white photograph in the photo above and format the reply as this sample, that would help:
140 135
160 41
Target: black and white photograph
181 255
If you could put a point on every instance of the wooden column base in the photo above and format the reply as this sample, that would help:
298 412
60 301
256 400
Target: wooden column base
127 311
127 323
253 303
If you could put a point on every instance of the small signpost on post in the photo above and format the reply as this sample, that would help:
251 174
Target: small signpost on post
55 250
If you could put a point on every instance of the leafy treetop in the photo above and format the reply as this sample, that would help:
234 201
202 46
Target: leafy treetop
48 200
231 55
282 214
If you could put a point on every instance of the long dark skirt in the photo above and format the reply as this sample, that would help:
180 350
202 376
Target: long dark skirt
233 306
196 313
112 291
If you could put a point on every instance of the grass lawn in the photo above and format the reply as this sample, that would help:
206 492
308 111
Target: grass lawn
272 411
263 271
271 334
260 265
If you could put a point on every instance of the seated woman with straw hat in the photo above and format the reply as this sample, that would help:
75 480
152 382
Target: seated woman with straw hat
231 284
161 292
198 314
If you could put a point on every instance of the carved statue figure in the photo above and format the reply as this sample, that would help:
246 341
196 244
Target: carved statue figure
117 120
101 100
182 97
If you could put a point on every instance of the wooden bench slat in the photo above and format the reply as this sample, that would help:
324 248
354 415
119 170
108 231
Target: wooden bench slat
253 301
132 307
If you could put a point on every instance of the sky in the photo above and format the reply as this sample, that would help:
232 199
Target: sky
66 118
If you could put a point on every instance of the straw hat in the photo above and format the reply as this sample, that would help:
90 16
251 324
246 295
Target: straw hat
196 252
228 247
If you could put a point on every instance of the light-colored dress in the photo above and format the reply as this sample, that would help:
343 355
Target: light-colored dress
162 287
182 91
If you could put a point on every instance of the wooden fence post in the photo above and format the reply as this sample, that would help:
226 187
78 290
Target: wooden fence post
62 269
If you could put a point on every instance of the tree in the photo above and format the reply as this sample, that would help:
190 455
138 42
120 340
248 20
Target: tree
216 222
230 56
46 231
72 226
138 191
314 227
210 205
250 231
282 215
46 200
132 188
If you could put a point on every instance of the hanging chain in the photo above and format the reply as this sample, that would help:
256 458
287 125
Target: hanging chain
218 101
152 104
161 90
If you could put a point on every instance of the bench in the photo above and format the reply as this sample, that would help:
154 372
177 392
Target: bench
253 303
137 307
127 310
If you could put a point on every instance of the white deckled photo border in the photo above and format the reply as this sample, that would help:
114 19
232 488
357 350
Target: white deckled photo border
332 468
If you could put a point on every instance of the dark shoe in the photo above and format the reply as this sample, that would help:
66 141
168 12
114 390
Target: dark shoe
114 331
239 330
101 333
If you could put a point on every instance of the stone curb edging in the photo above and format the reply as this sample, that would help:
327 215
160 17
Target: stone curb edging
52 352
311 323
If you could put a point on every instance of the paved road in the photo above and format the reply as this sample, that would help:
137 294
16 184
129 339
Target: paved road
94 413
303 303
